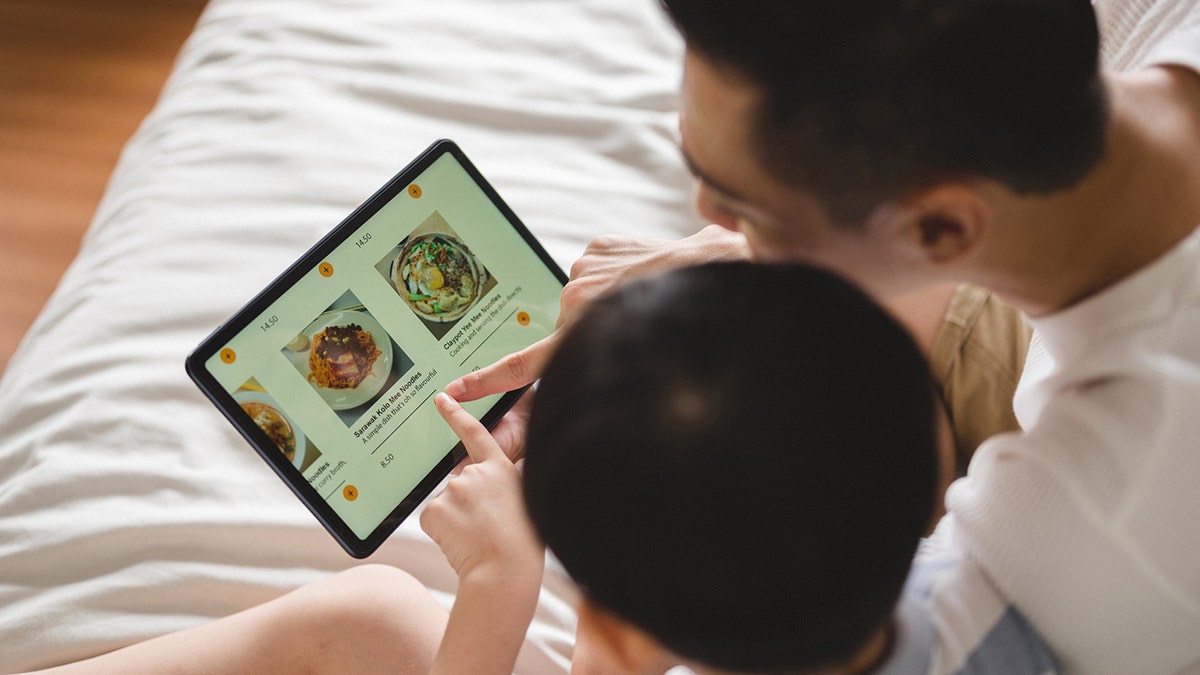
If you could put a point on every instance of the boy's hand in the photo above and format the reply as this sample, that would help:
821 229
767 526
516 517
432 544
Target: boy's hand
479 519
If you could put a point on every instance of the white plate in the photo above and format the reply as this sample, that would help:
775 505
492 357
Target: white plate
344 399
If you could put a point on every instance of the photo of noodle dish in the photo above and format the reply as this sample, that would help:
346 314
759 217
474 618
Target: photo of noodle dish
346 356
265 414
437 276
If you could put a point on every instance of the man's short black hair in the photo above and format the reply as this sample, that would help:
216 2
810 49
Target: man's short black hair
739 459
866 100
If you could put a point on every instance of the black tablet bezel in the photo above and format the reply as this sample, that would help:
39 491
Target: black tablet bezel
224 401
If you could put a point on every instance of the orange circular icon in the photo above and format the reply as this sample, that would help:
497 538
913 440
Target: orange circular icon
350 493
325 269
228 355
523 318
414 191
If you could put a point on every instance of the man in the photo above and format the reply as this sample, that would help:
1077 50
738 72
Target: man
915 144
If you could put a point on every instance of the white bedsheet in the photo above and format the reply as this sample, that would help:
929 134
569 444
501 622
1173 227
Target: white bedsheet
128 506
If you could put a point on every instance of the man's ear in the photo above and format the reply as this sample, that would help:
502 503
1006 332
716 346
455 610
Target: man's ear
947 222
622 644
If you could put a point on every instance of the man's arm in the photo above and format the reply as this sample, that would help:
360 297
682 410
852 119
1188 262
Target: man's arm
607 262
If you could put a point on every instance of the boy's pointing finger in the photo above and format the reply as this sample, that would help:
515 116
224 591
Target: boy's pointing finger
475 437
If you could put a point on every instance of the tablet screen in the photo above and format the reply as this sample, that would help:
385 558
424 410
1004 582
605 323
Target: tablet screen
330 372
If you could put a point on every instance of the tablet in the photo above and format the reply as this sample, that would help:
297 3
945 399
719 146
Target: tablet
330 371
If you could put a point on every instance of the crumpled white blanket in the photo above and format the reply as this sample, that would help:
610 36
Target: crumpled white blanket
128 506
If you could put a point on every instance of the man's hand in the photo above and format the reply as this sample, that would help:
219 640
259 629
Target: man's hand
607 262
612 260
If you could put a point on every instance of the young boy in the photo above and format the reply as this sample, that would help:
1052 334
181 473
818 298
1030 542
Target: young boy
703 527
700 521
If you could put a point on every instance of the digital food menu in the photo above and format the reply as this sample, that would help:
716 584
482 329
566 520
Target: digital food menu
330 372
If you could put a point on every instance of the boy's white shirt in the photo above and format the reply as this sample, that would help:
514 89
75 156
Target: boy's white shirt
1133 31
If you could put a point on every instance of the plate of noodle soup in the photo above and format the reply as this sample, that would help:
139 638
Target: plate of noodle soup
277 426
437 276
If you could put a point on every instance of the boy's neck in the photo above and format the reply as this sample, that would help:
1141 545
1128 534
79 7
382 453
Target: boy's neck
1139 202
868 660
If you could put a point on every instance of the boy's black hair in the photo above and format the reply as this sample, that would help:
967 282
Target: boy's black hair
739 459
867 100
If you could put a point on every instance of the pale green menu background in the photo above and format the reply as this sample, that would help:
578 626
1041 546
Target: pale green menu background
414 436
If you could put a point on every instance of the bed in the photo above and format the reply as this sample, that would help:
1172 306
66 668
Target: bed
128 506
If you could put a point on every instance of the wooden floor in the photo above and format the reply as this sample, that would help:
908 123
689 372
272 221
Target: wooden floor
76 79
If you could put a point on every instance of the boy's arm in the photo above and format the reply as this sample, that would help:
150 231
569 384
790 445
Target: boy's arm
480 523
487 625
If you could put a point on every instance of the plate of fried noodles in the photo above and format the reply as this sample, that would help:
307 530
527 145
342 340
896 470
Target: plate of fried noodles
348 359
